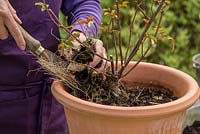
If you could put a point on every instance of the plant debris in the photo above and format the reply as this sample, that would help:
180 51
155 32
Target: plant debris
100 89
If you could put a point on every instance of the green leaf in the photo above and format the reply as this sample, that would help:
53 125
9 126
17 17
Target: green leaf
61 46
146 20
44 6
152 37
124 4
167 2
69 43
39 4
70 26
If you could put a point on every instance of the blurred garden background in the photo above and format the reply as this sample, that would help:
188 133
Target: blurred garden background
181 21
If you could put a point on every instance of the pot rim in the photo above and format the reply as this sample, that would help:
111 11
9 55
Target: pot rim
178 105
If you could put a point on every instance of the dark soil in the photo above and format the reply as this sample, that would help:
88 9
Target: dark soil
98 89
194 129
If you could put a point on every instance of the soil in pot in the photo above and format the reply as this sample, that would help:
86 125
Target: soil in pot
193 129
99 89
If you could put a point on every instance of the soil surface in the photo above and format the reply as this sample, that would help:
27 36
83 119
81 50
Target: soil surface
104 91
194 129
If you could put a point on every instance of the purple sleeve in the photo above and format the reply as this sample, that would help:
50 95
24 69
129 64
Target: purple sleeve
80 10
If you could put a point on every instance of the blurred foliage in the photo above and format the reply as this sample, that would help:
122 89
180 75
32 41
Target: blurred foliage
181 21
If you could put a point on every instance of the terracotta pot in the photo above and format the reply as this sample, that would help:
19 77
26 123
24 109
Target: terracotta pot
90 118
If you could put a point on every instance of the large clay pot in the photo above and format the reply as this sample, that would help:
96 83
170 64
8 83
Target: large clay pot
89 118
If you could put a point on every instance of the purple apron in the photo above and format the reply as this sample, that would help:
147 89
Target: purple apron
26 103
23 112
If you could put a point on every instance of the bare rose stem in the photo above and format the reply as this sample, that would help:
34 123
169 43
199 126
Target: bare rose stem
115 43
112 65
119 32
147 50
130 34
140 40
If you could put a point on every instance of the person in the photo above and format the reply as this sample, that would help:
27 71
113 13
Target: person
26 103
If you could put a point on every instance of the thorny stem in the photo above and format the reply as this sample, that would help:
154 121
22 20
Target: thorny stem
119 33
140 40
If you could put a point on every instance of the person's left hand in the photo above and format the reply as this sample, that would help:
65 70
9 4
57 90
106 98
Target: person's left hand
98 62
9 22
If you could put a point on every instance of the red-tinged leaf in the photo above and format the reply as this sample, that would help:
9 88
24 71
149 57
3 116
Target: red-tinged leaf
163 36
90 18
81 22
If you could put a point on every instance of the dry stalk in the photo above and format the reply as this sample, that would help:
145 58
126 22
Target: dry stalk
60 71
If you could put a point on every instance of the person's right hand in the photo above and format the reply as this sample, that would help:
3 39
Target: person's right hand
9 22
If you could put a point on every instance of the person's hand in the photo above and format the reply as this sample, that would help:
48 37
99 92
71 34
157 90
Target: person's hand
9 23
98 61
